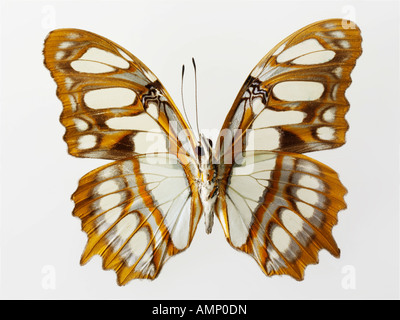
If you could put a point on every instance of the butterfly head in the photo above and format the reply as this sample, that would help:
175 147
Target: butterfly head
204 151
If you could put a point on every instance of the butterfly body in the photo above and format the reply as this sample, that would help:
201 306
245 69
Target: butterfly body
207 183
273 203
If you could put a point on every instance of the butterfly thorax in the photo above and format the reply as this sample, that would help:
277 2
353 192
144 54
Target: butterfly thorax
206 181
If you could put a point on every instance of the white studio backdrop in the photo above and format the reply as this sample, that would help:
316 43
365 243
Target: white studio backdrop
41 242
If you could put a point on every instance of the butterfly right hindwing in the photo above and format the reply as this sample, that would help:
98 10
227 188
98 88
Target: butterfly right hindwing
280 208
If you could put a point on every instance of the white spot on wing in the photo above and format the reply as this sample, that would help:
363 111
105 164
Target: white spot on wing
148 142
337 34
109 98
314 216
96 54
298 90
317 57
310 182
127 225
73 36
329 115
141 122
305 209
256 71
329 25
269 118
122 53
59 55
90 67
326 133
308 196
137 245
108 172
65 44
72 102
307 46
257 105
345 44
280 239
109 201
106 220
80 124
68 83
150 75
280 49
108 186
152 109
262 139
338 71
87 141
291 221
239 218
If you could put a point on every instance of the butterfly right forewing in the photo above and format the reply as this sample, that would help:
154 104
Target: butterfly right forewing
294 99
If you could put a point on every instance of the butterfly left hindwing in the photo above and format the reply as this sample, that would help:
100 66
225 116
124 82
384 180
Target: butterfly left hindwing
137 213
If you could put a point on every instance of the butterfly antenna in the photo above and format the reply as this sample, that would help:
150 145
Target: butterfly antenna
195 95
183 103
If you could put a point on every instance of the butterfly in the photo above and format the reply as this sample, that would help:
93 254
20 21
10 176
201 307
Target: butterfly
273 203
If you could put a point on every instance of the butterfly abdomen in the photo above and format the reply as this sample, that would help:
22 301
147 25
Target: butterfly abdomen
208 190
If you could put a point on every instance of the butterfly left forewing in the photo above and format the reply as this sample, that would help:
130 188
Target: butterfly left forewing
113 105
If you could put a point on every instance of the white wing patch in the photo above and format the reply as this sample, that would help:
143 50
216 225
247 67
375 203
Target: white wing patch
140 122
139 210
89 66
262 139
247 186
326 133
315 57
104 57
298 90
109 98
270 118
88 141
170 192
300 49
149 142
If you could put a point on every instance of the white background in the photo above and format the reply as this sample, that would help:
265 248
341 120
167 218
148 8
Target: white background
41 242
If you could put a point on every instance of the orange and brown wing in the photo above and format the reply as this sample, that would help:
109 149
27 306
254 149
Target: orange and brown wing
137 213
294 99
280 208
274 203
143 208
114 106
